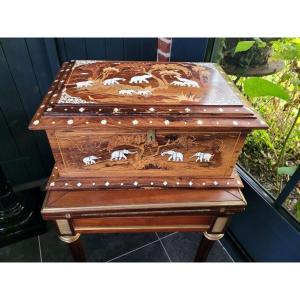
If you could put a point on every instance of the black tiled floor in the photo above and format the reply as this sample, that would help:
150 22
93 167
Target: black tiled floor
104 247
24 251
52 249
135 247
182 247
150 253
164 234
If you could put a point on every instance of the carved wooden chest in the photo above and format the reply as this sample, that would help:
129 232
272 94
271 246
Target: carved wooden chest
144 124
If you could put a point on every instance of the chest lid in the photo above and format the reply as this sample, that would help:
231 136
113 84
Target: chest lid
85 91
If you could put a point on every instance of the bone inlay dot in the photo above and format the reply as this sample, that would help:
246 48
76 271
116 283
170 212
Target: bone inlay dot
103 122
79 184
215 183
135 122
66 184
151 109
135 183
116 110
49 109
81 109
36 122
94 183
190 183
165 183
199 122
167 122
151 183
187 109
235 123
70 122
203 183
52 184
106 183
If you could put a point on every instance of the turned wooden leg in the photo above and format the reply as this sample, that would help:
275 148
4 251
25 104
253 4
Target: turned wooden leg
205 245
75 246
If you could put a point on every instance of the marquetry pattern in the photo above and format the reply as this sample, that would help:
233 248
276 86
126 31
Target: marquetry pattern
50 114
57 182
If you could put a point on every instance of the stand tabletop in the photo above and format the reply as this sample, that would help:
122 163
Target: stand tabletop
85 202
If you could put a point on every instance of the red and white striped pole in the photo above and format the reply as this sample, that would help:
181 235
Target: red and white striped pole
164 47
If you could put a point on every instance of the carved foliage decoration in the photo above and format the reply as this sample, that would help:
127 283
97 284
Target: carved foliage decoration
112 82
166 152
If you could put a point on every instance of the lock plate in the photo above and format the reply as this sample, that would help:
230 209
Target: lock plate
151 135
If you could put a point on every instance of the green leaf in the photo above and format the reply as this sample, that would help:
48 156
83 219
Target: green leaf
260 43
287 170
243 46
258 87
298 210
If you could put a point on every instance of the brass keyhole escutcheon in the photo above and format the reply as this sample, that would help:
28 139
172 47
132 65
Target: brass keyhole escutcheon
151 135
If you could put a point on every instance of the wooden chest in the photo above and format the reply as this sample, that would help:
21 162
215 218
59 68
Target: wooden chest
143 125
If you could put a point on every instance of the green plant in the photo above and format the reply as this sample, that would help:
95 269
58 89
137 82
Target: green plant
274 155
243 46
244 53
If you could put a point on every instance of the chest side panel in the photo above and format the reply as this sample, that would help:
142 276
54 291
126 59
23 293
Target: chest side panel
96 154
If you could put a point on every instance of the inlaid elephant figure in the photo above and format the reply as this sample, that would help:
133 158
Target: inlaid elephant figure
127 92
113 81
120 154
84 84
140 79
144 93
90 160
185 82
203 157
174 155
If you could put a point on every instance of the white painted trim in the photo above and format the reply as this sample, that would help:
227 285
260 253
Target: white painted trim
167 55
167 41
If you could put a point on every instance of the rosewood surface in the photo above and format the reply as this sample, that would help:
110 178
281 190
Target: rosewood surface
143 125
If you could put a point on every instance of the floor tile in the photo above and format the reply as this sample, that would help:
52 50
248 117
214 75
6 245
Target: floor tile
164 234
150 253
26 250
182 247
53 249
104 247
218 254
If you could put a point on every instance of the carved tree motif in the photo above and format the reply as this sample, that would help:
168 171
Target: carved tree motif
169 73
107 72
136 141
80 150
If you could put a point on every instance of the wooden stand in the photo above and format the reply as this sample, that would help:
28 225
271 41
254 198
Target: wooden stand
153 210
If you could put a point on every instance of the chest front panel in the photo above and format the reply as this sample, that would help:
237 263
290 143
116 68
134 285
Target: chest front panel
145 154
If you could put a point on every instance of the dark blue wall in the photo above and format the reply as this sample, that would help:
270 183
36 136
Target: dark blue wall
27 68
